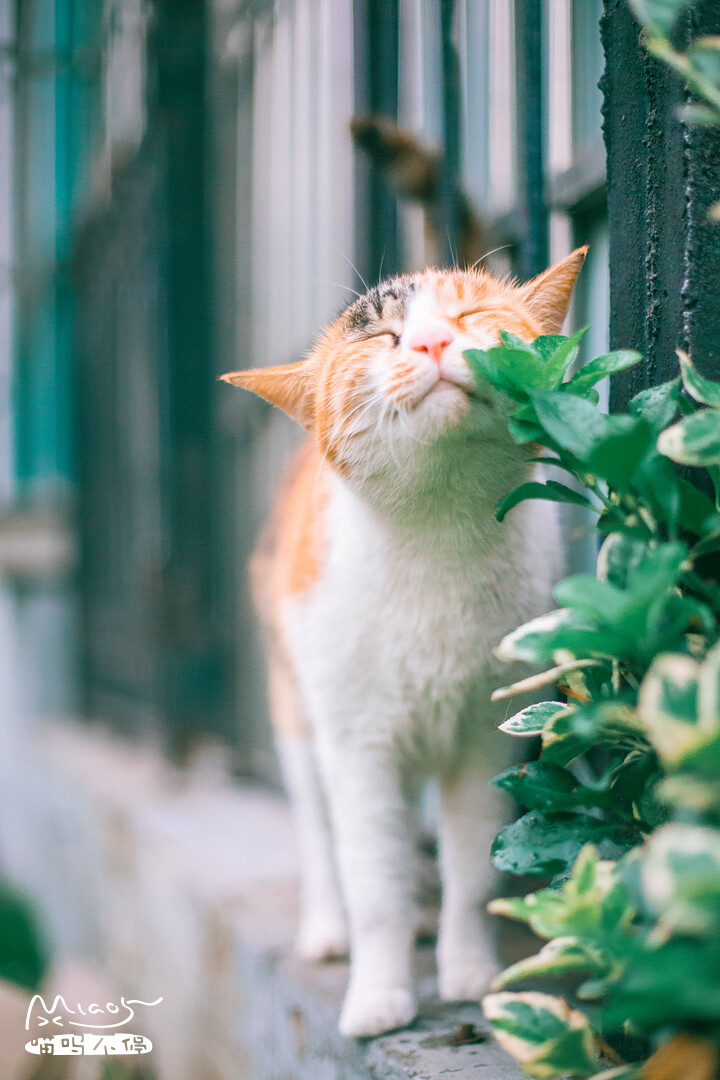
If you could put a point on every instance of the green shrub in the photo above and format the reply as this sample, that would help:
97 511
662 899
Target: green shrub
622 809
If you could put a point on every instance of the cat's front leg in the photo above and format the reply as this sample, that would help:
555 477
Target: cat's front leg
469 820
322 933
376 863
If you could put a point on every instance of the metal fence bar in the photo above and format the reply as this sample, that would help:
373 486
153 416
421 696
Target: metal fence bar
376 43
662 178
530 96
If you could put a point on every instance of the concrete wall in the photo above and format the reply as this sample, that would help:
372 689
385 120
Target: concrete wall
183 886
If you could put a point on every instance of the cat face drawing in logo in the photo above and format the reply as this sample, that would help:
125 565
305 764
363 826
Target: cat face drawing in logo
93 1016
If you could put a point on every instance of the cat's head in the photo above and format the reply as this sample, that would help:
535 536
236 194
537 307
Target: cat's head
388 379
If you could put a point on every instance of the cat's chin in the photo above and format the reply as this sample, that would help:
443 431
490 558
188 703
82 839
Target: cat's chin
443 408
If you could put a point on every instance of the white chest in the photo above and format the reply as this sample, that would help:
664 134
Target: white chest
397 635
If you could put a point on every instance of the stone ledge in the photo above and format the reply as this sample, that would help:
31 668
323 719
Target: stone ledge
184 886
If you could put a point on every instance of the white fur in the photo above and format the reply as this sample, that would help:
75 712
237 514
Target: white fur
392 649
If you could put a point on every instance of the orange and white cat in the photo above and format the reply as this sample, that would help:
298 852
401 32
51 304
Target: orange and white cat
385 581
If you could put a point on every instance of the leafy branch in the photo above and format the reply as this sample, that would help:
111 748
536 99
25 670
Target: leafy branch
622 809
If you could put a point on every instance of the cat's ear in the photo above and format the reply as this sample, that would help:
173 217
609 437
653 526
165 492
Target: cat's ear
290 387
548 295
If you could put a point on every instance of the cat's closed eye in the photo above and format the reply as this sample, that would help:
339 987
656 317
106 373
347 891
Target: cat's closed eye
394 338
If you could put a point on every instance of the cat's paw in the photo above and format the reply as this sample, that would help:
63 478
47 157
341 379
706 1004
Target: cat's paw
373 1011
321 939
466 980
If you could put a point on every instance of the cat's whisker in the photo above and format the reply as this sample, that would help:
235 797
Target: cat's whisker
453 251
344 445
361 409
365 404
503 247
403 413
391 440
336 285
352 266
375 437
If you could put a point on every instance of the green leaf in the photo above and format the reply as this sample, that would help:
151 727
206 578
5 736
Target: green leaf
591 395
603 723
618 454
629 615
678 707
525 412
562 744
711 540
512 341
657 405
558 957
659 15
619 555
670 690
694 440
678 617
548 844
696 794
696 509
599 600
708 711
559 362
534 641
617 520
551 491
542 785
532 719
658 571
703 390
571 672
600 368
520 365
703 115
704 55
488 369
634 782
680 878
655 481
548 344
573 423
611 446
670 984
571 1054
536 784
537 641
528 1020
23 954
542 1033
514 370
590 904
522 432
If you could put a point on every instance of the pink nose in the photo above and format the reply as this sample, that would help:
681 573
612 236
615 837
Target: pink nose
433 338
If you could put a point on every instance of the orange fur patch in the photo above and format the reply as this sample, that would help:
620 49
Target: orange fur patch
289 556
287 562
